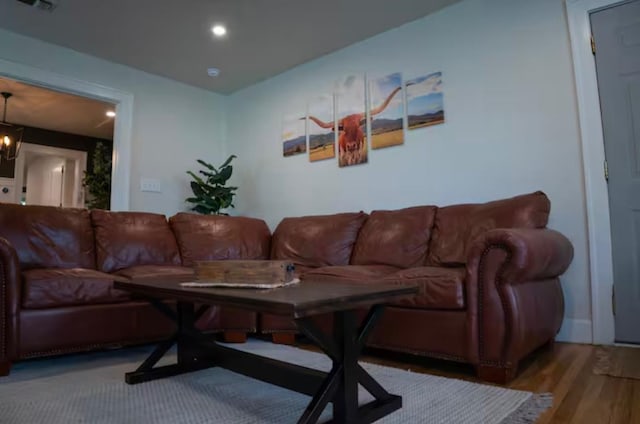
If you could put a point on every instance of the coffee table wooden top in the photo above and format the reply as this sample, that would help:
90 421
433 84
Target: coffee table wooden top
300 300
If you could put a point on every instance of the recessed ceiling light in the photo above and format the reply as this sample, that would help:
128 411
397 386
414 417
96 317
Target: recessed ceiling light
111 114
219 30
213 72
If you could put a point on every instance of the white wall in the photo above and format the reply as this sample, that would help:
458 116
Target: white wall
511 127
173 124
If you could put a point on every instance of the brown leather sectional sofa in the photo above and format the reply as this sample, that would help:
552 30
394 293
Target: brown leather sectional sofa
488 275
57 268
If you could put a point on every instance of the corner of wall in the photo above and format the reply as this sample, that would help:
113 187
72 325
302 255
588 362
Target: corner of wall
575 331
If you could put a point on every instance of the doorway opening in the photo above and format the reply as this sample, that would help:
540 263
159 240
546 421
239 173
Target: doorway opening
123 102
601 328
616 34
61 136
50 176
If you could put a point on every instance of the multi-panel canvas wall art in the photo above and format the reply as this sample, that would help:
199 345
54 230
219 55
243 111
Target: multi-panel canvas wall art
425 105
321 127
294 134
386 111
351 111
338 121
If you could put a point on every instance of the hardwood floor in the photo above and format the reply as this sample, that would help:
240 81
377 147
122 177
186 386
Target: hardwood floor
565 370
580 396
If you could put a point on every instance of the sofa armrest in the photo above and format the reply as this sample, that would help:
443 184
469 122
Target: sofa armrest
534 254
9 301
513 292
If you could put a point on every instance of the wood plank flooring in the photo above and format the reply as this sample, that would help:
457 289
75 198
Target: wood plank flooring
565 370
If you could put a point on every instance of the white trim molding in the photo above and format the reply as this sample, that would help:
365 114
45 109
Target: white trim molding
575 331
121 168
596 191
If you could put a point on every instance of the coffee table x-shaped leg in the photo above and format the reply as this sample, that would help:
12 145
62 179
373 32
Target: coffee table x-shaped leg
341 383
198 351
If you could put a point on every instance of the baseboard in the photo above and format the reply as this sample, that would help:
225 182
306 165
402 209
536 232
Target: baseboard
575 331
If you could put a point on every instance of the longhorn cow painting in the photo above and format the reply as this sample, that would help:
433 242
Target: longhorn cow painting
425 105
342 117
322 137
351 110
294 134
386 111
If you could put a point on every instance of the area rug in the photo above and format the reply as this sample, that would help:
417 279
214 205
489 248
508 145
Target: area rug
91 389
617 361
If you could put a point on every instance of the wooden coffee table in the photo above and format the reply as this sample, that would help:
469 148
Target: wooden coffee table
196 351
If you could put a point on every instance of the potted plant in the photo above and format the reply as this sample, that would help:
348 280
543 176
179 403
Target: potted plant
210 195
98 181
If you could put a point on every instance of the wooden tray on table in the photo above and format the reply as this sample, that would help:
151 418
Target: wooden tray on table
261 274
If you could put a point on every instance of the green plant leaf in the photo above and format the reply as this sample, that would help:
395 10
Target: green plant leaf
207 174
201 209
225 172
207 165
97 180
197 178
228 161
210 194
216 180
198 190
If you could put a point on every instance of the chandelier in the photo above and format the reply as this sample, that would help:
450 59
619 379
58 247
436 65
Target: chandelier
10 135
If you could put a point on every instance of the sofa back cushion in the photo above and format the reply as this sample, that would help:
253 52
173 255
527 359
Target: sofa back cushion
397 238
457 226
125 239
315 241
48 237
218 237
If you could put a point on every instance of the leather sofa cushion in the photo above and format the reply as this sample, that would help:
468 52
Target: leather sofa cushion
157 272
350 273
126 239
316 241
439 287
217 237
48 237
52 288
397 238
457 226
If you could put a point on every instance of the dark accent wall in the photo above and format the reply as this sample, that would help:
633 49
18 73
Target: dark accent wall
56 139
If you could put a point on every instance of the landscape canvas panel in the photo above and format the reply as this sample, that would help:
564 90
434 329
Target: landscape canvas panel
425 101
321 128
351 111
386 110
294 134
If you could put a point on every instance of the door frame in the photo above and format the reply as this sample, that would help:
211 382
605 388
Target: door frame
80 157
123 101
593 156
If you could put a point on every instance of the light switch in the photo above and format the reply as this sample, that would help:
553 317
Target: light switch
152 185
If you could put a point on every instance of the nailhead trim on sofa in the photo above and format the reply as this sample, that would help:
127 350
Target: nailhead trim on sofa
506 340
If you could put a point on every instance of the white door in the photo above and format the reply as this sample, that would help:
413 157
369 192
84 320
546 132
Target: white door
616 32
44 180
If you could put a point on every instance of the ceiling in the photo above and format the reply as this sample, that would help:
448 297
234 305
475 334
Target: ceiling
43 108
173 38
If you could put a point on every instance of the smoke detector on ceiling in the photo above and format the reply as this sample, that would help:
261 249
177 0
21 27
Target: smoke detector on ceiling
47 5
